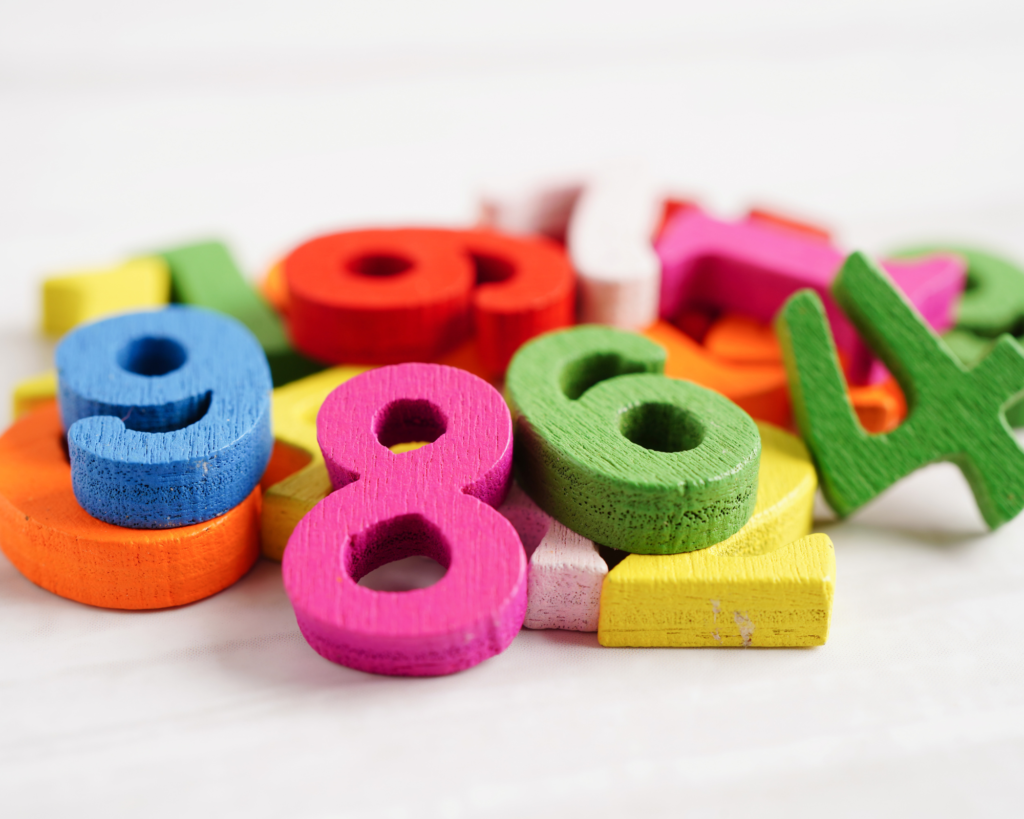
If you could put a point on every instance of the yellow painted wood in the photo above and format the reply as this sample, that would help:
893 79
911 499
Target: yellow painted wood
770 584
74 298
29 393
293 409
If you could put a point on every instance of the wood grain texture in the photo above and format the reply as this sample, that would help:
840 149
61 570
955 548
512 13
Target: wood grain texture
206 275
750 268
294 409
32 392
767 585
53 542
565 572
437 501
75 298
610 242
416 294
623 455
167 415
955 413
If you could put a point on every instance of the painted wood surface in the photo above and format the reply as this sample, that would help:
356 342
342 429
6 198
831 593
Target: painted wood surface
167 415
75 298
767 585
532 209
955 414
437 501
205 275
751 269
566 570
880 407
610 242
32 392
294 409
387 296
621 454
51 540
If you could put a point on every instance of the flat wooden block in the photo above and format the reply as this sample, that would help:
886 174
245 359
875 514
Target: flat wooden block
767 585
74 298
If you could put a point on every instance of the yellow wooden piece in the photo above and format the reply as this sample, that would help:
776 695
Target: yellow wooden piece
768 585
29 393
72 299
294 408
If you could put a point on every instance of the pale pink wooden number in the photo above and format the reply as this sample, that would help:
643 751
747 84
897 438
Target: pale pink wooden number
435 501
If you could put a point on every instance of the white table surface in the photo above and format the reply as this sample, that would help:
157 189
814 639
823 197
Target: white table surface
127 126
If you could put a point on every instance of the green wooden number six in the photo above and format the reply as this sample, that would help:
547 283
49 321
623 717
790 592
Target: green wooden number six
623 455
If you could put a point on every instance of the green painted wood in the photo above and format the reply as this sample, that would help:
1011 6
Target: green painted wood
205 275
623 455
955 413
993 302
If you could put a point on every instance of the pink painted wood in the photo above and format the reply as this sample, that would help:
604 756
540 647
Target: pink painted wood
751 268
435 501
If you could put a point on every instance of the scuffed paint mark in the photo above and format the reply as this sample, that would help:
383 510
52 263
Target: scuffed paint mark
745 626
716 606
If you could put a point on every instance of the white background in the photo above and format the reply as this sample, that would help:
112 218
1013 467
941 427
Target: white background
127 126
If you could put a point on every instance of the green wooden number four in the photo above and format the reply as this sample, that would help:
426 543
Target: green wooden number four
623 455
955 413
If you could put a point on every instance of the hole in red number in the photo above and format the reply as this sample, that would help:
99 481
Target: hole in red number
401 554
409 420
491 268
379 265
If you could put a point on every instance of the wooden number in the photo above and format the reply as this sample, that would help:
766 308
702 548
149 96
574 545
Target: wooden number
32 392
955 414
610 242
286 502
167 414
622 455
566 570
205 275
751 269
386 296
53 542
435 501
75 298
767 585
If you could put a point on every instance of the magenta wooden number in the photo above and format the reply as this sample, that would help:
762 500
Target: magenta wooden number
435 501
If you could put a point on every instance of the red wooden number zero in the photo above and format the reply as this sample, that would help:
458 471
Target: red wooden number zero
388 296
435 501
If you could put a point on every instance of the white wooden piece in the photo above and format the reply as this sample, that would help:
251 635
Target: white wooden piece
566 570
610 241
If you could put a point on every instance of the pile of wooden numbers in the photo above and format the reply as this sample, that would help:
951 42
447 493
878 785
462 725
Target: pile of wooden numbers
602 409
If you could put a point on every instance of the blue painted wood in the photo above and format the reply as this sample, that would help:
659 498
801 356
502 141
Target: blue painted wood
167 415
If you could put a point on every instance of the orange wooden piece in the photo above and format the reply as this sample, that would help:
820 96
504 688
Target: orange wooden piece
760 389
741 359
274 289
55 544
285 460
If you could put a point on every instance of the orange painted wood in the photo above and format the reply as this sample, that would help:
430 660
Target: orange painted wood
274 289
53 542
742 360
388 296
760 389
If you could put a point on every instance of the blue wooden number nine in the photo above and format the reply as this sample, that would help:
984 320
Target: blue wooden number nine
167 415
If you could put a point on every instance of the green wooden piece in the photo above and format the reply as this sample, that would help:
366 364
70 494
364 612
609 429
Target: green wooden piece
955 413
970 349
993 302
623 455
206 275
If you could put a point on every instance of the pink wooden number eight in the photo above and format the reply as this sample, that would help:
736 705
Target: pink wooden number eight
435 501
